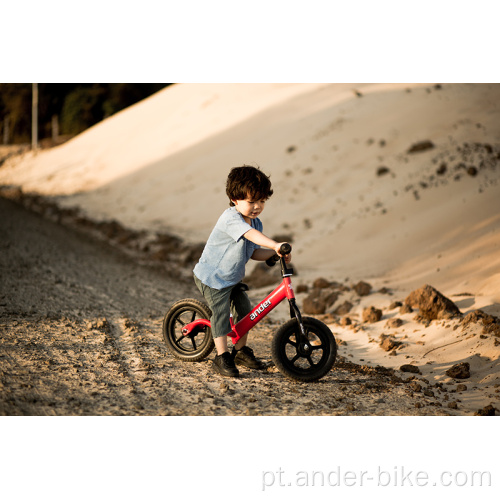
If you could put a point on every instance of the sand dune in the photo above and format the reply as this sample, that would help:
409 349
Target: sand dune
396 184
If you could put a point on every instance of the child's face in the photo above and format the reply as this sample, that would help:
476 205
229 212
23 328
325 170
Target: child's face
250 208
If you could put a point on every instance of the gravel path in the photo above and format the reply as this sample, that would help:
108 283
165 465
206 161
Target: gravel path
80 334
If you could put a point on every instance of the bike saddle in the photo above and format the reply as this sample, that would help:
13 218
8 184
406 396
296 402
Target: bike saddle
240 287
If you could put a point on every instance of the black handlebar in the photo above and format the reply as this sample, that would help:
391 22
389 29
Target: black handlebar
285 249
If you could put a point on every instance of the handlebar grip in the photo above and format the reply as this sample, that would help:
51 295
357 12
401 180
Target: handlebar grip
285 249
272 260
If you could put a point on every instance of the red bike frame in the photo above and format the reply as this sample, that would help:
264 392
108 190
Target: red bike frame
240 329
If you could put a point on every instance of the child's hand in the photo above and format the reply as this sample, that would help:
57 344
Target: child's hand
288 257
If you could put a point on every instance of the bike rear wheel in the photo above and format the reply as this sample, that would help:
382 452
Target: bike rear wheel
196 345
309 359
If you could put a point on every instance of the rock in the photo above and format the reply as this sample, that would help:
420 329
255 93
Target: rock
339 286
301 289
472 171
313 305
330 297
394 322
461 387
405 309
410 369
321 283
362 288
345 321
395 304
453 405
442 169
421 146
487 411
372 314
388 343
382 171
459 371
344 308
319 300
491 324
415 386
432 304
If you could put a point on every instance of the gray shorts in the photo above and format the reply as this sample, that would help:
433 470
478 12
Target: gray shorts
223 302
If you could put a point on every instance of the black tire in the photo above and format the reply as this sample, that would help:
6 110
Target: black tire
199 343
309 360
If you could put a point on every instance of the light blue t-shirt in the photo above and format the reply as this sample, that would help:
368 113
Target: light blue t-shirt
223 260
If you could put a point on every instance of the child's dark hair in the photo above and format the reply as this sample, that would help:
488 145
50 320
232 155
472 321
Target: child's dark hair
247 181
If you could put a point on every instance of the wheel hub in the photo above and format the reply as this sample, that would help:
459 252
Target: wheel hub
304 349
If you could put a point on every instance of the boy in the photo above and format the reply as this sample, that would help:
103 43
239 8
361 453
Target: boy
236 238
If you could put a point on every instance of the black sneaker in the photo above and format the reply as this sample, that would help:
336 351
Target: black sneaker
246 357
224 365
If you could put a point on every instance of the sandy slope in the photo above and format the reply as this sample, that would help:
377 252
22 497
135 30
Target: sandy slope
429 216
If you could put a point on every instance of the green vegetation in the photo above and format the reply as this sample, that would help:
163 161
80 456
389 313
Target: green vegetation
64 109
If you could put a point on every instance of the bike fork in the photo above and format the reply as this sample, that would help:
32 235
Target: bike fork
295 313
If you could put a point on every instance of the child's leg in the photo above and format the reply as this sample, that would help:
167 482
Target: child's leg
219 303
240 307
221 344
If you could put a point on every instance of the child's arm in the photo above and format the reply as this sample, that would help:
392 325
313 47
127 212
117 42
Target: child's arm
262 240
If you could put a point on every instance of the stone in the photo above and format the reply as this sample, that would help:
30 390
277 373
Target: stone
321 283
395 304
405 309
432 304
362 288
343 308
329 297
415 386
372 314
394 322
459 371
487 411
346 321
382 171
421 146
388 343
313 305
491 324
319 300
410 369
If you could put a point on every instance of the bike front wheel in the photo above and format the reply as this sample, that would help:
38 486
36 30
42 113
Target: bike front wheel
196 345
309 358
